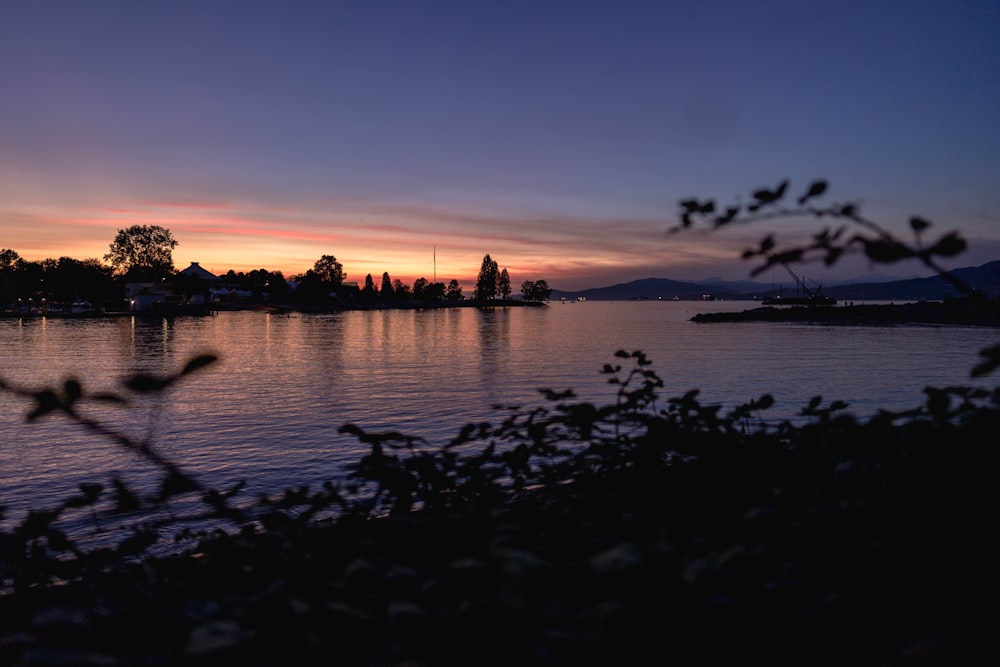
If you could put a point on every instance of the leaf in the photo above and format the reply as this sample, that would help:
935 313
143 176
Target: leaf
138 541
125 499
144 383
45 402
832 255
176 483
72 389
938 401
815 190
990 362
948 246
886 251
37 522
199 362
765 196
91 489
787 257
58 540
690 205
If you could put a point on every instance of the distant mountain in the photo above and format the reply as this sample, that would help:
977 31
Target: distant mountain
651 288
751 287
870 278
985 278
738 286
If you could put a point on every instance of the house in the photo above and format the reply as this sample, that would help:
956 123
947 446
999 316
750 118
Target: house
348 291
143 297
196 271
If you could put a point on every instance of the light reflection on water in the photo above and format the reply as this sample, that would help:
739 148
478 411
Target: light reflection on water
270 410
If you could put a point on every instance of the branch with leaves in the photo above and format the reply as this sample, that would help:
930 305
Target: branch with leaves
835 240
66 400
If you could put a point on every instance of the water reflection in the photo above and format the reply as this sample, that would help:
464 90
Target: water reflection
150 342
493 327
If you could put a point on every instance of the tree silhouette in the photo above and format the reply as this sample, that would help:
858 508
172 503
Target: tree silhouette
487 281
454 291
503 284
142 252
385 294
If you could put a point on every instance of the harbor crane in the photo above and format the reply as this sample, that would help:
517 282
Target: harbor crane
803 295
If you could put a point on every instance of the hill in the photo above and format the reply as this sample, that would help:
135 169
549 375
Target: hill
653 289
985 278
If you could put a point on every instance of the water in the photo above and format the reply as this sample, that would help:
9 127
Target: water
269 411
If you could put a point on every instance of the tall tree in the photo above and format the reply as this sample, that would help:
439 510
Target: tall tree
9 259
486 282
400 292
535 290
142 252
68 279
385 294
528 289
434 292
323 280
454 291
329 271
368 293
419 288
10 262
503 284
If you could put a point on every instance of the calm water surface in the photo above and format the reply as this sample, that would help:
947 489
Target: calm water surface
269 411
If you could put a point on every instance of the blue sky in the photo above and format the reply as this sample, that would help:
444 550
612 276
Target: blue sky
556 136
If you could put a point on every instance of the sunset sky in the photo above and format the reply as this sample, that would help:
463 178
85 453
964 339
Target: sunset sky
556 136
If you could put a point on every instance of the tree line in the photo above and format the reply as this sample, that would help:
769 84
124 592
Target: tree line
144 253
494 283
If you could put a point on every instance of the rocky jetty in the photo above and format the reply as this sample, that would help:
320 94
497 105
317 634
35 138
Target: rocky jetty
923 312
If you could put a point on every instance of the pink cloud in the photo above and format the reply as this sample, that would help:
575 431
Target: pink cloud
122 211
212 206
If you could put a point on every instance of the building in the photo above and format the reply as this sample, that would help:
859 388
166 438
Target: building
196 271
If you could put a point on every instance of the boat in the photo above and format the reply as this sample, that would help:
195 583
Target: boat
81 308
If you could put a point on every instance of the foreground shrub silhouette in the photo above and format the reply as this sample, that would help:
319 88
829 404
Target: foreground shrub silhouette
644 530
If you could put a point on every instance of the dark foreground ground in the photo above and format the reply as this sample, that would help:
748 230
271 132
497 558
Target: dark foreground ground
838 543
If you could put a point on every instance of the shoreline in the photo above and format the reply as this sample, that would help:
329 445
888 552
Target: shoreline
279 308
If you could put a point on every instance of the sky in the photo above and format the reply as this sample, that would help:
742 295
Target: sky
414 137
